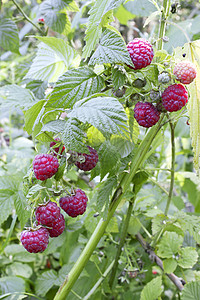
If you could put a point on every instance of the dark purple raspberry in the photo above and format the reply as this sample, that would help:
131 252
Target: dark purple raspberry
45 166
57 149
57 227
141 53
35 241
74 205
146 114
174 97
90 160
46 214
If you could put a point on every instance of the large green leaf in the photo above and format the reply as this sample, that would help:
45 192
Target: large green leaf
104 192
74 85
188 257
9 38
31 116
152 290
169 244
16 96
191 291
118 78
55 126
140 7
100 15
169 265
11 285
54 57
45 282
112 49
6 203
105 113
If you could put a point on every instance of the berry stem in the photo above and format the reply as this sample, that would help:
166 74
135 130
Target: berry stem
138 160
172 127
164 16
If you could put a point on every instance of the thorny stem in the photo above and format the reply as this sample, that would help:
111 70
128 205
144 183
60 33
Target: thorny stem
122 241
172 126
27 18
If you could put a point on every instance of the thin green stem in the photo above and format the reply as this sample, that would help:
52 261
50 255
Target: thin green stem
79 297
160 186
172 127
164 16
97 284
143 227
121 243
27 18
138 160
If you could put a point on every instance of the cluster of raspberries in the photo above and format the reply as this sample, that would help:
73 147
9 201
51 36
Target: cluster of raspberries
173 98
50 221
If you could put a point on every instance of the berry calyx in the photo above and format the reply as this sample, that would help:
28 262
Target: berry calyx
90 160
35 241
141 53
74 205
57 149
146 114
174 97
45 166
46 214
185 72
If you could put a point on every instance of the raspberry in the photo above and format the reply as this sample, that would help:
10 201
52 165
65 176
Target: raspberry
45 166
90 160
164 77
35 241
46 214
57 149
146 114
57 227
174 97
74 205
185 72
141 53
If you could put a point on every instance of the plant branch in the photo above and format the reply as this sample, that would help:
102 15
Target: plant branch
178 282
164 16
122 241
27 18
172 126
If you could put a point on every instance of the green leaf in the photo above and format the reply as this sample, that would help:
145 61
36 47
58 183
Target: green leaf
32 116
19 253
113 226
16 96
74 85
141 8
12 284
112 49
139 179
118 78
152 290
6 203
100 15
124 146
19 269
73 136
133 125
109 159
169 244
38 87
188 257
104 192
169 265
9 38
54 57
95 137
191 291
105 113
45 282
55 126
134 226
123 15
21 205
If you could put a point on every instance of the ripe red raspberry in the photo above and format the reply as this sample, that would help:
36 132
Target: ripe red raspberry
141 53
46 214
185 72
90 160
35 241
174 97
57 227
45 166
74 205
57 149
146 114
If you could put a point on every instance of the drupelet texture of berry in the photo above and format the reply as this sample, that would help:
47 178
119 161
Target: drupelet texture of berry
141 53
146 114
74 205
57 149
46 214
57 227
185 72
174 97
45 166
90 160
35 241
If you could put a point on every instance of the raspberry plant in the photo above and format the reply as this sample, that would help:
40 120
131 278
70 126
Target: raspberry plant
102 182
